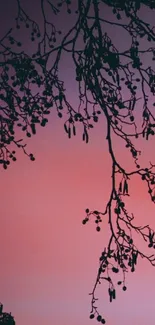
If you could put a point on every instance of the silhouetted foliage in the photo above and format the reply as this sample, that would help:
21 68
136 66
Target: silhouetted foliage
103 74
5 318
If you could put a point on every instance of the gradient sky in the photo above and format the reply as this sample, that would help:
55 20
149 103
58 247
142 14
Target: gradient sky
48 258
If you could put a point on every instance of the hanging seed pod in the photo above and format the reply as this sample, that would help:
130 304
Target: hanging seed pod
69 132
120 187
74 130
114 294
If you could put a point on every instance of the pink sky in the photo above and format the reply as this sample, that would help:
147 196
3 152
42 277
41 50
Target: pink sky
48 258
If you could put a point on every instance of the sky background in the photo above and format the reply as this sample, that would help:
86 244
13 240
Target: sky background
49 260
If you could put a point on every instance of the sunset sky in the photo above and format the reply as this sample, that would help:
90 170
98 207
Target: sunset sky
49 260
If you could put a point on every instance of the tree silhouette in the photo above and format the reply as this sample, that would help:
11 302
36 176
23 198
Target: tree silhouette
104 74
5 318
